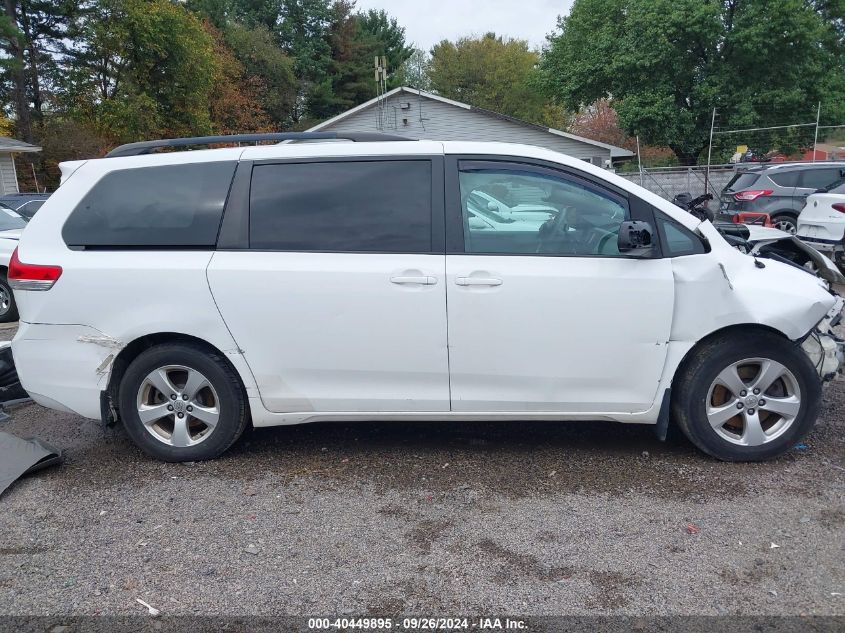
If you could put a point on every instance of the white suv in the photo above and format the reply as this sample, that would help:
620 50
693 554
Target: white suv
191 293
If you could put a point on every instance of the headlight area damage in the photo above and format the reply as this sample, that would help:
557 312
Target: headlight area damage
825 349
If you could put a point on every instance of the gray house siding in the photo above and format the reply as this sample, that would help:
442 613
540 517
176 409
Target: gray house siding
425 118
8 177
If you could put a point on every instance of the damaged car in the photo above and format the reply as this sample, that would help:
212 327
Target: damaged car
188 294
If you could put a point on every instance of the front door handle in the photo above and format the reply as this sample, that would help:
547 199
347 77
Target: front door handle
478 281
422 280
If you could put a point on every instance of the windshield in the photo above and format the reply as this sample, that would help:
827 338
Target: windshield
9 219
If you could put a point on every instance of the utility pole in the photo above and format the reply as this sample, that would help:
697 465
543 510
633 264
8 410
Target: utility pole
639 160
709 153
816 138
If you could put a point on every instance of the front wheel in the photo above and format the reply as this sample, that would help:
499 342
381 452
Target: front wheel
746 398
181 402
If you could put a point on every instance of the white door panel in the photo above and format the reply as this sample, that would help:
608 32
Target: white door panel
568 334
338 332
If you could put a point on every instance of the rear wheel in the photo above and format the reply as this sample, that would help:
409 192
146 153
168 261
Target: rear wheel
181 402
785 222
746 398
8 307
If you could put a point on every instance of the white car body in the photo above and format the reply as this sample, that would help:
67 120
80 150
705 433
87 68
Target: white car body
821 224
327 337
8 242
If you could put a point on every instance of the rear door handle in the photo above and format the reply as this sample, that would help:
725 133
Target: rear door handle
478 281
421 280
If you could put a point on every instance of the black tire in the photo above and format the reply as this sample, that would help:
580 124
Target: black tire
231 401
692 386
788 222
8 314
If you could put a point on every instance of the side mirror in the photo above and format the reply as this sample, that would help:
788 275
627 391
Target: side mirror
492 206
636 238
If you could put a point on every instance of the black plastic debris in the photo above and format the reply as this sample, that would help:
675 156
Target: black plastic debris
10 384
22 456
18 456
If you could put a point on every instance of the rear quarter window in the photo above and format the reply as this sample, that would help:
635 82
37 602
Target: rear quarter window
155 207
741 181
785 178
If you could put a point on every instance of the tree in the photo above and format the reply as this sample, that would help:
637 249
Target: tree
264 62
303 32
349 79
668 63
141 68
600 122
489 72
388 38
30 35
235 105
414 72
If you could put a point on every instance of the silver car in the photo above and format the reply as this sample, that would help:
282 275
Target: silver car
777 189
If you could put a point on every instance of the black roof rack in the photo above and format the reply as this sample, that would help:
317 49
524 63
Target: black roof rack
145 147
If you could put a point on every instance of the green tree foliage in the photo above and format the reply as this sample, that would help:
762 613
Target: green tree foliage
349 79
388 39
142 68
29 30
354 40
668 63
414 72
489 72
303 33
264 62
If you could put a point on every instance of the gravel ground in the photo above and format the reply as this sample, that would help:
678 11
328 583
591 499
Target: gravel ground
425 519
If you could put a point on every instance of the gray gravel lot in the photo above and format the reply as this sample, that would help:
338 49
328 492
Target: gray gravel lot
425 519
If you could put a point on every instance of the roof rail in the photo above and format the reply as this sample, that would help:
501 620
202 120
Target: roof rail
145 147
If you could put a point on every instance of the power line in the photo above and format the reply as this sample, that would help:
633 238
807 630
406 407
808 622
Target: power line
774 127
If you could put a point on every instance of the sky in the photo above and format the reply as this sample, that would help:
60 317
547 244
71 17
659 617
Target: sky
427 22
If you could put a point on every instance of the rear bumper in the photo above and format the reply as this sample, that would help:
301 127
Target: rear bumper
64 367
830 247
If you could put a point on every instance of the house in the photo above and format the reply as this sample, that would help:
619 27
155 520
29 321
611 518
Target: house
417 114
8 173
825 151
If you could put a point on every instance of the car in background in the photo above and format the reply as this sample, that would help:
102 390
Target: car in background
26 204
822 221
11 227
521 211
777 189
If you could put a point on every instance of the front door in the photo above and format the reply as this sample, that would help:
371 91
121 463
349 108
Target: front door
339 301
548 315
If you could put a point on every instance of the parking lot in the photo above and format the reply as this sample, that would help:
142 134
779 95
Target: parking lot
425 519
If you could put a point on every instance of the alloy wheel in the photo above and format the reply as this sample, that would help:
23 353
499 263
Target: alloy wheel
753 401
787 226
178 406
5 300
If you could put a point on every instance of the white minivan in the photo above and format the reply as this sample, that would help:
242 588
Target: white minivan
191 293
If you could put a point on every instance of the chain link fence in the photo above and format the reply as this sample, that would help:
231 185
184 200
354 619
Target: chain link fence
668 182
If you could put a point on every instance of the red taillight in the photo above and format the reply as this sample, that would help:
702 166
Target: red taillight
839 206
752 194
31 276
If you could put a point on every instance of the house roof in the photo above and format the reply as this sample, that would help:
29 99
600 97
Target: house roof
615 152
13 145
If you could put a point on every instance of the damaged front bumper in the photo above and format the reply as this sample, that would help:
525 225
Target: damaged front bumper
823 347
